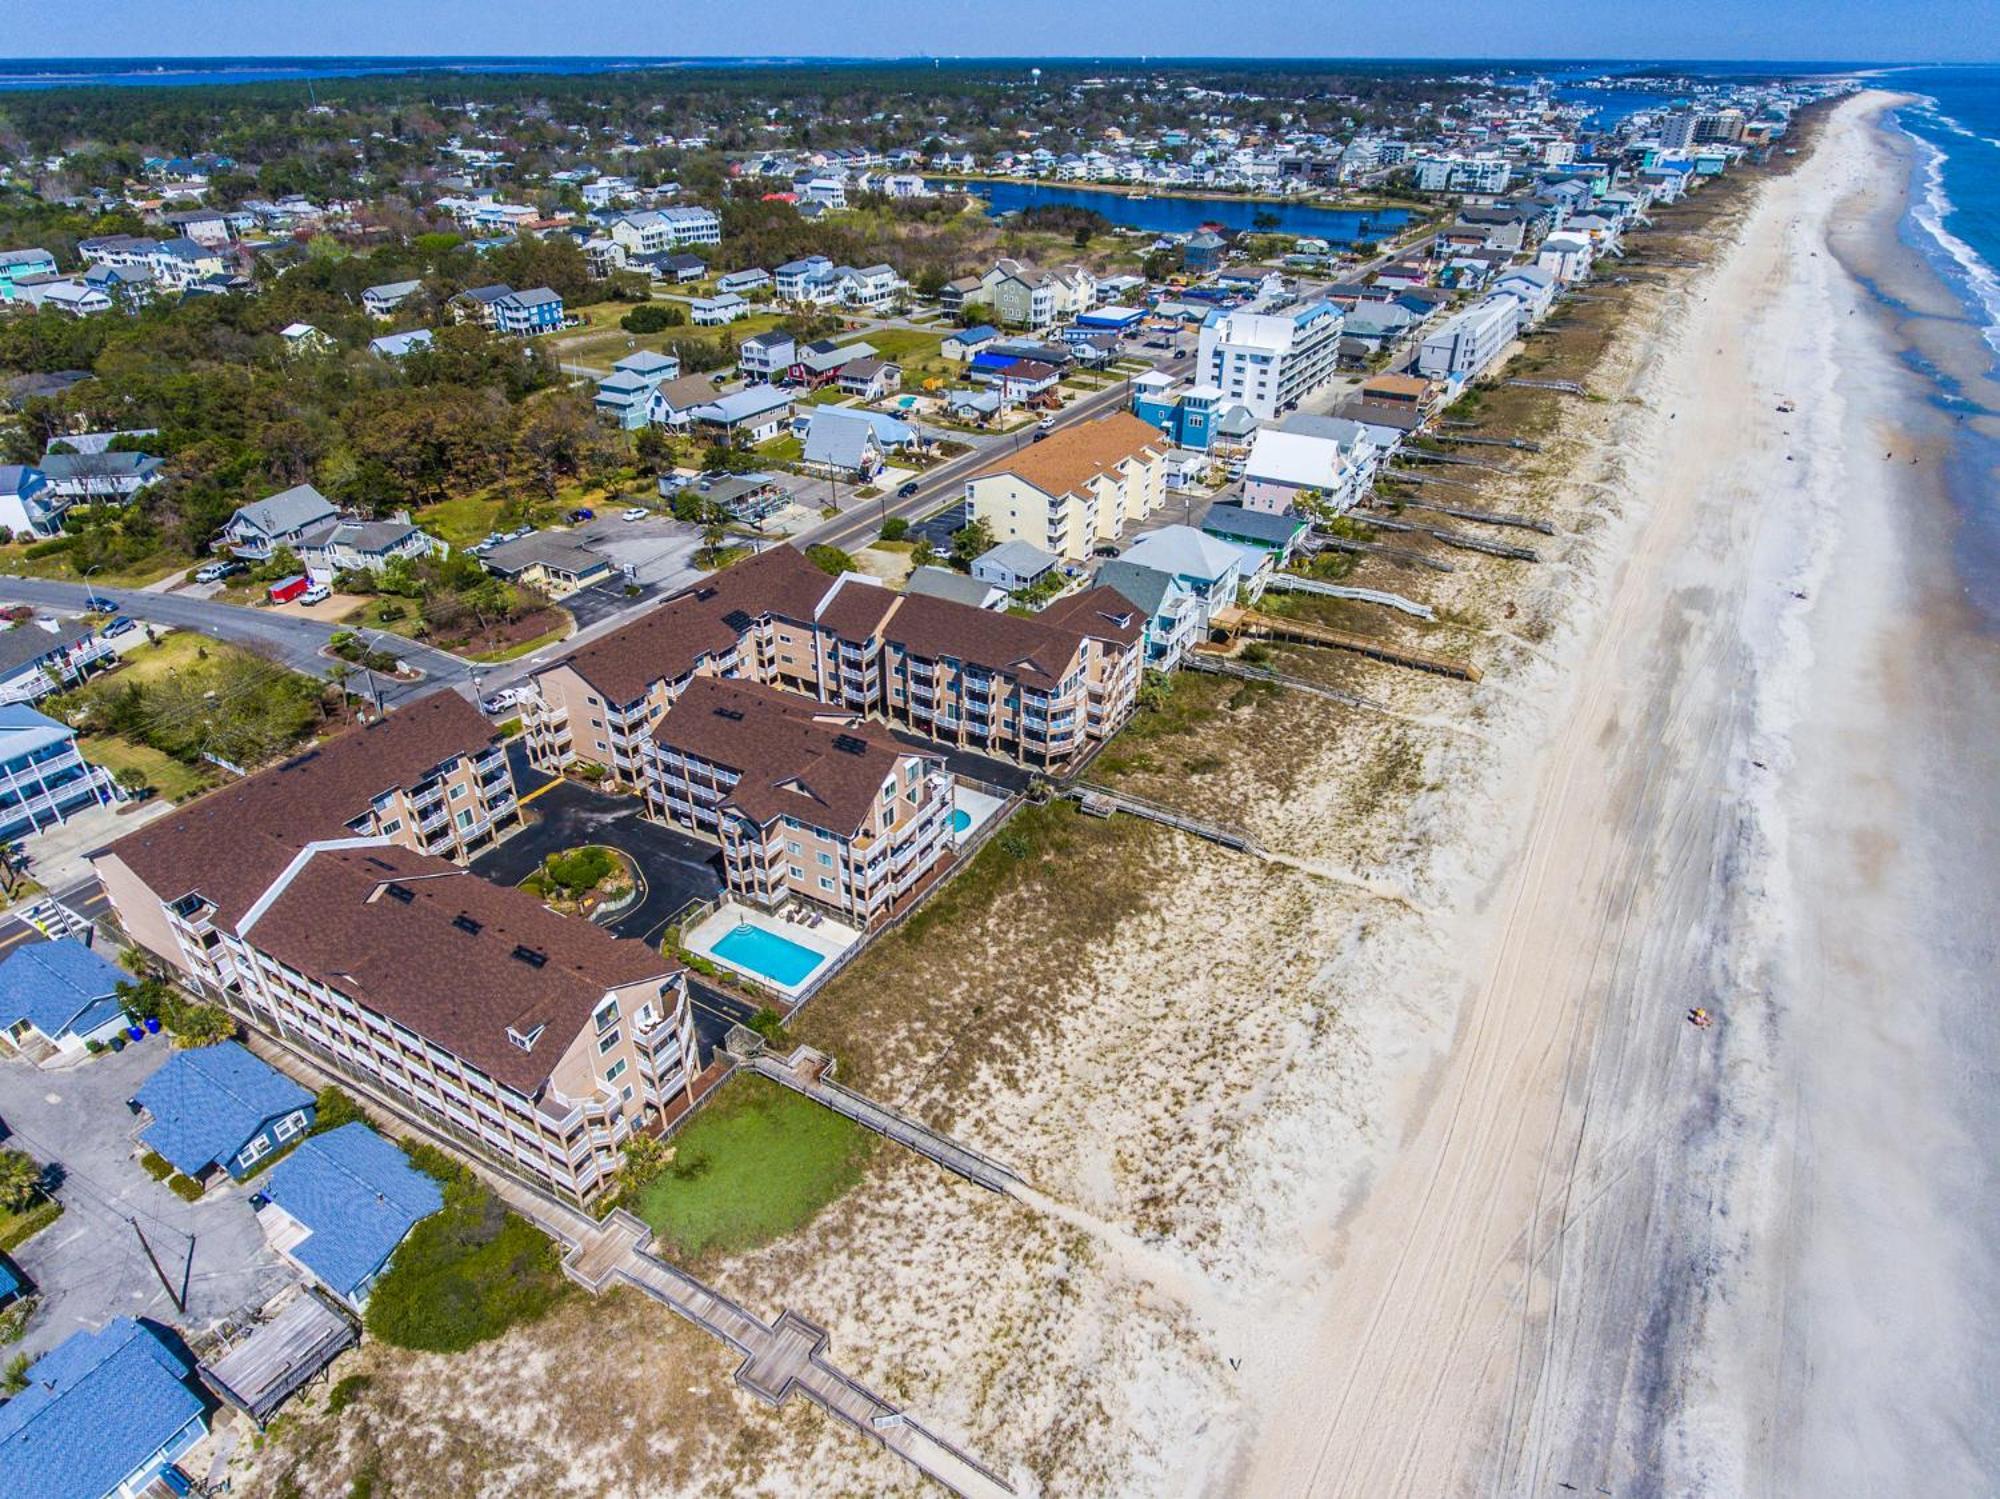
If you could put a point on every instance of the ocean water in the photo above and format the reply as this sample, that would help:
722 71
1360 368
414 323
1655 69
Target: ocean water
1954 223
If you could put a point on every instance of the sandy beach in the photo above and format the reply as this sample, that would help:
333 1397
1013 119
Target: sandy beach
1387 1165
1617 1254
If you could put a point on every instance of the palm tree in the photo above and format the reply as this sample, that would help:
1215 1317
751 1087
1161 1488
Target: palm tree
20 1179
11 858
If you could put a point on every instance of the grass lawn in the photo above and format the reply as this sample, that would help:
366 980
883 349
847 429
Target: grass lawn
174 652
786 449
16 1228
463 520
523 647
14 559
173 780
755 1164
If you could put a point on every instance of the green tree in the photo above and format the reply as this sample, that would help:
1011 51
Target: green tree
20 1179
970 543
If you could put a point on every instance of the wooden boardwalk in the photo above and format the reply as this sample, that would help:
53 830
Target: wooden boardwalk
1234 621
802 1076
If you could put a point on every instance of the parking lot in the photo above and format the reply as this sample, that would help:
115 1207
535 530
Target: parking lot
91 1264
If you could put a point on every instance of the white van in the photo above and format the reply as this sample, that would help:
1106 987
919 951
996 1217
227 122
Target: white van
319 593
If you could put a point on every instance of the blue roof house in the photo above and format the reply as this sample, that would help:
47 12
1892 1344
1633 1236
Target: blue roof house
56 998
338 1206
220 1106
104 1414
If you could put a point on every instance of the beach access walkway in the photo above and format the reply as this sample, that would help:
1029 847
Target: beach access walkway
807 1072
780 1359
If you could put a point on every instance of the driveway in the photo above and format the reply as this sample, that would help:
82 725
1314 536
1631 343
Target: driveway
675 868
90 1265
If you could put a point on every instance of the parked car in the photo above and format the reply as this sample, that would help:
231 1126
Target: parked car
319 593
581 514
501 701
1046 424
637 512
907 490
1040 433
1105 549
123 625
215 572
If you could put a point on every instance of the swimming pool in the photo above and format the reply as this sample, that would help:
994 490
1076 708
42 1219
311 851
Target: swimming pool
960 819
767 955
906 403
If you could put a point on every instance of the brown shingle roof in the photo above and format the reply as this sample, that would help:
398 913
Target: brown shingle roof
415 962
791 758
232 843
687 392
1037 652
1103 613
667 642
1067 461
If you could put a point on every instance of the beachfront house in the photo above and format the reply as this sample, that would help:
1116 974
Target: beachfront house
220 1106
57 1000
339 1204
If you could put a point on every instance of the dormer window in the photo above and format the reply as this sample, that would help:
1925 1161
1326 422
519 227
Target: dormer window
606 1016
526 1039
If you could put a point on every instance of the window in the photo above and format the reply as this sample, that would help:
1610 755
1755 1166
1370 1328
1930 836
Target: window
826 882
792 845
826 861
616 1071
458 792
606 1016
609 1040
797 873
393 825
290 1125
252 1152
465 817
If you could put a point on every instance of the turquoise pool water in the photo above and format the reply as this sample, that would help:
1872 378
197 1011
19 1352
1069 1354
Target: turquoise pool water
767 955
960 819
906 403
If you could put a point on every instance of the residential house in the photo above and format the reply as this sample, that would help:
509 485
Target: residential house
44 779
366 546
625 396
260 528
526 313
1203 251
1327 458
766 356
960 292
205 226
835 813
218 1105
103 1415
1024 296
681 268
871 288
743 282
943 583
16 264
754 414
842 444
1213 572
550 562
382 301
401 345
28 506
480 304
870 377
977 407
1081 486
1014 565
1184 416
106 477
339 1204
1277 533
718 311
77 298
674 400
304 338
967 342
1174 617
1566 256
56 999
41 654
1022 380
811 280
1533 286
820 363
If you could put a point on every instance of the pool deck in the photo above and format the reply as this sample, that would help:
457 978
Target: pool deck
829 939
977 805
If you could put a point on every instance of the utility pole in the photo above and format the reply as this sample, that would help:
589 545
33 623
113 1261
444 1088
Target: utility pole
179 1301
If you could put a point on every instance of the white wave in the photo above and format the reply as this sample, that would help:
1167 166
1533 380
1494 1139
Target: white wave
1932 212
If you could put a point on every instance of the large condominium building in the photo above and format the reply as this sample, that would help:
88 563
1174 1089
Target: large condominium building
305 899
1081 486
431 778
805 805
1034 689
1025 296
1267 360
1470 341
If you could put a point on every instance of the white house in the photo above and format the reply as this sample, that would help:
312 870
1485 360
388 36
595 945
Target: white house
258 529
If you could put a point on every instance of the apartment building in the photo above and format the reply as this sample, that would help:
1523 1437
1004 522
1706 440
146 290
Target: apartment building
1034 689
44 779
1471 341
805 805
1025 296
431 778
1267 360
538 1038
1080 486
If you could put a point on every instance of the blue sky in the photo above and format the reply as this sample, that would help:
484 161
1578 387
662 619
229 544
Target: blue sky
1967 30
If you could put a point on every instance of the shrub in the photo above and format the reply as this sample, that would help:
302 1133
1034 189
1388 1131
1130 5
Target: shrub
653 317
769 1024
48 548
344 1392
895 528
26 1225
830 560
14 1321
580 870
186 1188
465 1274
334 1108
15 1379
158 1167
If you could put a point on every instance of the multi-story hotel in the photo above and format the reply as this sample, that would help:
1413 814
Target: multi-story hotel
1267 360
806 805
1034 689
1080 486
319 899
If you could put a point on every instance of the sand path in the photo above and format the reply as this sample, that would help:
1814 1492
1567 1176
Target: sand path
1591 1192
